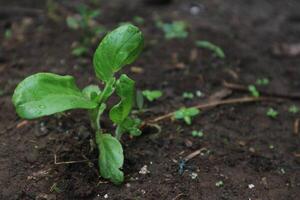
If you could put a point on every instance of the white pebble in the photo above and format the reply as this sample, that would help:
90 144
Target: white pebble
251 186
144 170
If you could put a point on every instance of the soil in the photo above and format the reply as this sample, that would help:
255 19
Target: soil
254 156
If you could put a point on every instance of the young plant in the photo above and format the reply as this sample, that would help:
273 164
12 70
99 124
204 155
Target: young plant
272 113
186 114
262 81
294 109
197 133
85 22
44 94
254 92
176 29
188 95
217 51
152 95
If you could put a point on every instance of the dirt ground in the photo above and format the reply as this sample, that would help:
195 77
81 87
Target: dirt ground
253 156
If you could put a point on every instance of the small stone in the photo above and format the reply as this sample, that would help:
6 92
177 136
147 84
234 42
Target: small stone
251 186
105 196
194 175
144 170
219 184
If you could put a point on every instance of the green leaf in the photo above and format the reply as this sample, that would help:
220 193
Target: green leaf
152 95
110 158
125 90
139 99
131 125
72 23
212 47
91 92
186 114
254 92
118 48
176 29
44 94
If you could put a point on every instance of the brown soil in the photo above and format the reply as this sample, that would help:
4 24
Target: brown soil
244 146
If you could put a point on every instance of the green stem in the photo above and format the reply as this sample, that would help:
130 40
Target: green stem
118 133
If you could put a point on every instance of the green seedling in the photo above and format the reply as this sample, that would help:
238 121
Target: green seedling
262 81
186 114
188 95
152 95
272 113
217 51
293 109
8 34
197 133
254 92
176 29
138 20
85 22
44 94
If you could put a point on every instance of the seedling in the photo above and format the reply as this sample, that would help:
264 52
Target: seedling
293 109
44 94
8 33
152 95
254 92
262 81
85 22
272 113
188 95
217 51
176 29
197 133
138 20
186 114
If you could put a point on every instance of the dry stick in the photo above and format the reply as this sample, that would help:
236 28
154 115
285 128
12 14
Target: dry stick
70 162
217 103
243 88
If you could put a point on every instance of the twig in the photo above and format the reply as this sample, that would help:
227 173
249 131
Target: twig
244 88
194 154
70 162
296 126
179 195
216 103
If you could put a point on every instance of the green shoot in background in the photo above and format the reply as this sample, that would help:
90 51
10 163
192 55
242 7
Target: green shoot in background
44 94
152 95
272 113
217 51
176 29
186 114
254 92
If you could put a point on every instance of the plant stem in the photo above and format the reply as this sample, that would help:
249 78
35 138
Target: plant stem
118 133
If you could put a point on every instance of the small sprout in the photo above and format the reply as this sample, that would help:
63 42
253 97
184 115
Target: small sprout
188 95
1 92
293 109
176 29
262 81
194 175
152 95
197 133
254 92
80 51
8 33
272 113
217 51
44 94
271 146
138 20
219 184
186 114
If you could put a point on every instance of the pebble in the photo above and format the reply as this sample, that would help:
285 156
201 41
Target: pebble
144 170
251 186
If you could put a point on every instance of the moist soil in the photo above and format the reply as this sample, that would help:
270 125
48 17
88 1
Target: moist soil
245 153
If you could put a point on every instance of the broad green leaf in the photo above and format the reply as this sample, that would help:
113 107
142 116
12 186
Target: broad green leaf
186 114
110 158
125 90
152 95
131 126
118 48
44 94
